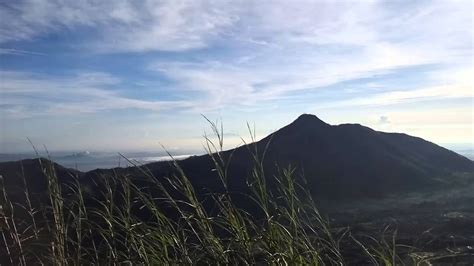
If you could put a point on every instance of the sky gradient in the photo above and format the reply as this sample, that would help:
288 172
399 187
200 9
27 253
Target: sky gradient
134 75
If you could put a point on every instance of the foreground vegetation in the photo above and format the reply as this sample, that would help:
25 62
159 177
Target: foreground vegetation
123 222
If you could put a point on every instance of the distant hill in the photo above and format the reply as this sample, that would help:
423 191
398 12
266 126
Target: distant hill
339 162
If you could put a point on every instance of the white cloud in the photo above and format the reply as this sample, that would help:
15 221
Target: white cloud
384 120
306 44
459 84
11 51
272 78
118 25
27 95
441 125
138 26
424 94
302 45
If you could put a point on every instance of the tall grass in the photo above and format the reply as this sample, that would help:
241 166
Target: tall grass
162 221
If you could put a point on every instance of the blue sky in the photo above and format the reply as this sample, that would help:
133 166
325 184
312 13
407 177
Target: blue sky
132 75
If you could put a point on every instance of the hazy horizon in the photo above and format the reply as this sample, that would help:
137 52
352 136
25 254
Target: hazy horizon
132 76
85 160
197 147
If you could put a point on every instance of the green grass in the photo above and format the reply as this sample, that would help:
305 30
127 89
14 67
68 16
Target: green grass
78 227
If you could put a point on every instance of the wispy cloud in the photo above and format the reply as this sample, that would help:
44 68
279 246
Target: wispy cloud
27 95
458 85
311 45
282 47
181 25
11 51
118 25
225 84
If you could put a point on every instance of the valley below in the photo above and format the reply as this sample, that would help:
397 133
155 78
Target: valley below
435 226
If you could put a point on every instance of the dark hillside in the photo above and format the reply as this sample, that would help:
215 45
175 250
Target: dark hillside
338 162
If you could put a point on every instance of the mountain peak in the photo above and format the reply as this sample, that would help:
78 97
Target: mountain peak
309 119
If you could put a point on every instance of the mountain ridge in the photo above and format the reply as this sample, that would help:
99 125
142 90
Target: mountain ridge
338 161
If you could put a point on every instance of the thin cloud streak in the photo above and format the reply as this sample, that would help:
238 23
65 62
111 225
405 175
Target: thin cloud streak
27 95
12 51
460 86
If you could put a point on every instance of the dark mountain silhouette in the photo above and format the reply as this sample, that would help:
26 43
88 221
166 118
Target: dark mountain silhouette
32 171
351 159
338 162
